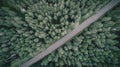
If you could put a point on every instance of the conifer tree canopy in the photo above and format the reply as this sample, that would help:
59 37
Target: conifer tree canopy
28 27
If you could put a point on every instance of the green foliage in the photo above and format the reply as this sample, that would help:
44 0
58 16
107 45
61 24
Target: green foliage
30 26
